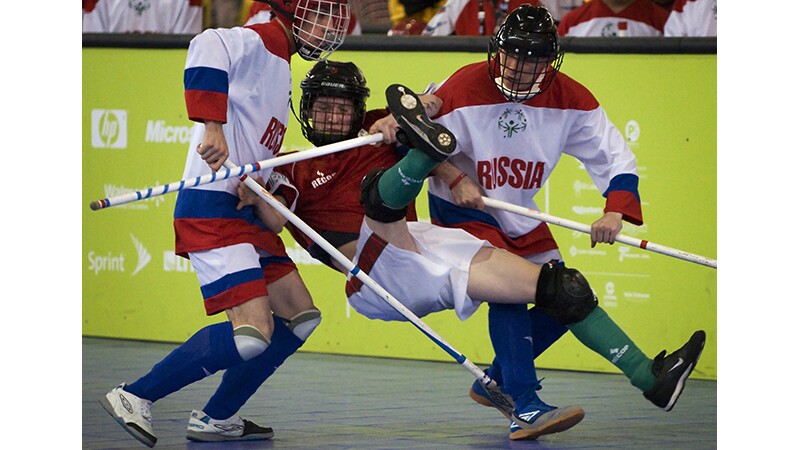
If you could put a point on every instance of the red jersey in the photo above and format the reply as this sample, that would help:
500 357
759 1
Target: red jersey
325 191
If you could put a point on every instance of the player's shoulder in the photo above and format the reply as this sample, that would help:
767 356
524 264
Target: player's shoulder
566 93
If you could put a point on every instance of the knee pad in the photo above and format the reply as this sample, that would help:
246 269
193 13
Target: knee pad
303 324
564 294
374 208
249 341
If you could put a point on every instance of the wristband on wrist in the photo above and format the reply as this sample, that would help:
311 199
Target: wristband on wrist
457 180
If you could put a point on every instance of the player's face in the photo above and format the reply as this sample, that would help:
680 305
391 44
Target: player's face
332 115
521 74
321 28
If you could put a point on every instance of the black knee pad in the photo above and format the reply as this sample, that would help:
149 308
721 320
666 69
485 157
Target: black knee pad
564 294
374 207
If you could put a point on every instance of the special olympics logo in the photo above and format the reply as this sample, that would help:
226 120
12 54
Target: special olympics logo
512 122
109 128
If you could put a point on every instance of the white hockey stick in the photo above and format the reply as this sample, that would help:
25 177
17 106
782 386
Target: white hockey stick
489 384
234 171
577 226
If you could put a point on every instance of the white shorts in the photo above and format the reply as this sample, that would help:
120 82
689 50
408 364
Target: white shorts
232 275
433 280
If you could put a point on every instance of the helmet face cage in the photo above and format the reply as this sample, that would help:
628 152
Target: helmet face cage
333 103
319 27
525 55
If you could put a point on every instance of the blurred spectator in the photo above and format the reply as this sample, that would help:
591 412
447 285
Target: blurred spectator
692 18
471 17
260 12
558 8
666 4
615 18
419 10
143 16
407 27
372 14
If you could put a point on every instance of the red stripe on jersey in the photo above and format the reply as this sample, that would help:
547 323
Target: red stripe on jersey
206 105
626 203
539 240
235 296
472 86
373 247
193 235
89 5
273 37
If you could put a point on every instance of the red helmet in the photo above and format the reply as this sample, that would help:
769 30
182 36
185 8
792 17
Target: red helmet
318 26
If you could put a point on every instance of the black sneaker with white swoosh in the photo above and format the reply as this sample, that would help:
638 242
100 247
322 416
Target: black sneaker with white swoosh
673 370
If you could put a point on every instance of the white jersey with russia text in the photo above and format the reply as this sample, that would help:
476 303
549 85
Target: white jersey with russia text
143 16
642 18
692 18
240 77
510 149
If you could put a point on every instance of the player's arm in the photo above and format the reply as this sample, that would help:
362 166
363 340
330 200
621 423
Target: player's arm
465 192
271 218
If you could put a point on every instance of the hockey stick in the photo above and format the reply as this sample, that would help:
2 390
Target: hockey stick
577 226
234 171
489 384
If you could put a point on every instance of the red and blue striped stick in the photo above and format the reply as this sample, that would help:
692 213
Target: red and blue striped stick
237 171
577 226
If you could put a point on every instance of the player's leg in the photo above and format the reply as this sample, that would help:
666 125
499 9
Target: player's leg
429 144
565 294
510 332
212 348
295 318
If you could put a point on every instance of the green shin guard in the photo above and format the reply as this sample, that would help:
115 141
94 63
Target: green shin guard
400 184
601 334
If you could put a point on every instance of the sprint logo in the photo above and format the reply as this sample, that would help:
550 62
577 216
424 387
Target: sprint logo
109 128
111 262
143 257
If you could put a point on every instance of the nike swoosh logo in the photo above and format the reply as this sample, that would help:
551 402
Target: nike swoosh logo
677 364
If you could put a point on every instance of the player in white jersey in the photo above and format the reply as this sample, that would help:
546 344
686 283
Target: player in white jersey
237 85
143 16
536 114
692 18
614 18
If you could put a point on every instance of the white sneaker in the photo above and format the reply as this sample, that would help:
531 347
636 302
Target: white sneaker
205 429
132 412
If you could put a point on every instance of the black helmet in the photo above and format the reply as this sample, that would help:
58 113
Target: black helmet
528 35
343 80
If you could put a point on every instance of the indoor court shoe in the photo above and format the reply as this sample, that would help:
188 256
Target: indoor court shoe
132 412
505 404
416 129
539 418
205 429
673 370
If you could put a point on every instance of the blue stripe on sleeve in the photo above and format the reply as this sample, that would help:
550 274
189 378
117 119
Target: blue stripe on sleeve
624 182
205 79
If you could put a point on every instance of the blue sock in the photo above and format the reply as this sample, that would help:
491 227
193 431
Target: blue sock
240 382
210 349
545 330
510 332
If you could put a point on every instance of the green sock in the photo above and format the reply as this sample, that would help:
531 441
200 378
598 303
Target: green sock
601 334
401 183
